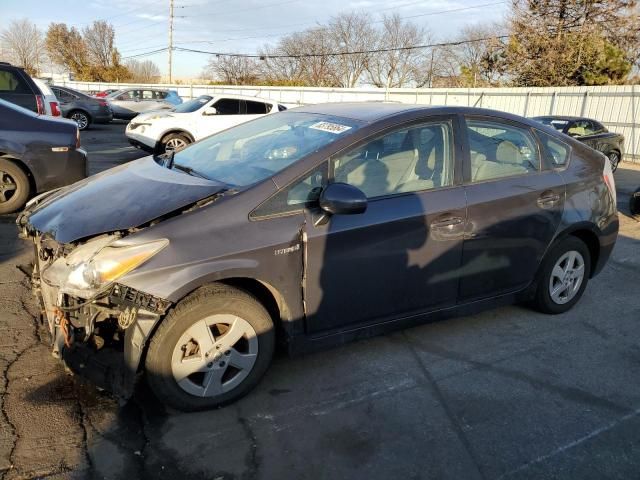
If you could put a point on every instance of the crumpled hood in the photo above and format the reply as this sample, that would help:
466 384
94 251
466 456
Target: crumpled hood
123 197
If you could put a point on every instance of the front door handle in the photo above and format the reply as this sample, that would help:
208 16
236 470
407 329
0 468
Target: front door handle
447 222
548 199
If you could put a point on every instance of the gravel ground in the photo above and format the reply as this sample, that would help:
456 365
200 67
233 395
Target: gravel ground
508 393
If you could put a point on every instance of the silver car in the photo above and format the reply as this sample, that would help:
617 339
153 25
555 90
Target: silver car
129 102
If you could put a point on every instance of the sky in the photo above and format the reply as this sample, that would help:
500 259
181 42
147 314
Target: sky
236 26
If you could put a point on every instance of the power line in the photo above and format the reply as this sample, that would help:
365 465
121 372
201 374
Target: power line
339 54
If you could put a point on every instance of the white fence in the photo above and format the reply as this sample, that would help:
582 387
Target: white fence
618 107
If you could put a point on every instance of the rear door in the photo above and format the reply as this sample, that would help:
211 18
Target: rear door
15 88
514 207
66 100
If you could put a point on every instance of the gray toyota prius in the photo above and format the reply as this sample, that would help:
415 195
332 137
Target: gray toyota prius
307 228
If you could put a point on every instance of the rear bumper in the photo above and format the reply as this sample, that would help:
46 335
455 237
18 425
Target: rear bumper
607 243
102 117
60 169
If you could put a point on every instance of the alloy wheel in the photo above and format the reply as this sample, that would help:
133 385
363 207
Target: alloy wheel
8 187
81 120
214 355
614 159
174 144
566 277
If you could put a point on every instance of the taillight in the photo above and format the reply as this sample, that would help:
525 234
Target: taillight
77 138
607 176
40 105
55 109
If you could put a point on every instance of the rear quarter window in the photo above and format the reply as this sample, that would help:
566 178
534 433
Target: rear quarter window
12 82
555 153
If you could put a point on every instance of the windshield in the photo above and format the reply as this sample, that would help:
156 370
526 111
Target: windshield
193 105
556 123
257 150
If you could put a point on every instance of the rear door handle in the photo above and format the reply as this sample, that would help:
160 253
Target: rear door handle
447 222
548 200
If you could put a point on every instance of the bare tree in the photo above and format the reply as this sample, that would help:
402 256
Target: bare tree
351 32
143 71
396 67
301 59
99 40
22 42
232 70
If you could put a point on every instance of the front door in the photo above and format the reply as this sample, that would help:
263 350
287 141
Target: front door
402 255
514 208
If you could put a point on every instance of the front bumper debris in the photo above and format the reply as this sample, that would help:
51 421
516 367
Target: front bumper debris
101 338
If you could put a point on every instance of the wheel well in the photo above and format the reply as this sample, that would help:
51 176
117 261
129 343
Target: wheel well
25 169
181 132
591 240
268 297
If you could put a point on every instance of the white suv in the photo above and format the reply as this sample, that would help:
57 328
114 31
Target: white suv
164 131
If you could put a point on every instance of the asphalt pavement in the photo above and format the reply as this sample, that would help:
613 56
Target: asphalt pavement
505 394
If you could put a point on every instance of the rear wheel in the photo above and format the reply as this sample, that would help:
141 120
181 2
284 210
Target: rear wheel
563 277
81 118
174 142
614 160
14 187
211 349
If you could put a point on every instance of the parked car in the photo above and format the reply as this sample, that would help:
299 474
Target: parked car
160 132
104 93
51 104
591 132
315 226
129 102
16 86
37 153
81 108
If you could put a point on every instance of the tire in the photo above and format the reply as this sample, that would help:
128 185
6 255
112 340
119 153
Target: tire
174 141
15 188
614 159
548 279
634 204
82 119
218 374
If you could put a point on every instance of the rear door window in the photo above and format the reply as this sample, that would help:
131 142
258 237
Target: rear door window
228 106
257 108
12 82
500 150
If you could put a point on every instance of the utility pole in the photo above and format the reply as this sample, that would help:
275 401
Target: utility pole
170 40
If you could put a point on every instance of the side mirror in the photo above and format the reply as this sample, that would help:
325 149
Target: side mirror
343 199
210 111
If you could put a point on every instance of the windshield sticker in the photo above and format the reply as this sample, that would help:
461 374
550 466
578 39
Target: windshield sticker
330 127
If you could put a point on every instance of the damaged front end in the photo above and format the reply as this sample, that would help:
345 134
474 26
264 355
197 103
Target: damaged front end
98 326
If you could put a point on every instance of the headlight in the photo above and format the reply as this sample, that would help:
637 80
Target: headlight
93 267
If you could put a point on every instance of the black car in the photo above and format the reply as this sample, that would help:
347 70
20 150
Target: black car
591 132
37 153
313 226
81 108
16 86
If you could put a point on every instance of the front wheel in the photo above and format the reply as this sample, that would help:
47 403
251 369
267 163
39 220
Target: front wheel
212 348
563 277
174 142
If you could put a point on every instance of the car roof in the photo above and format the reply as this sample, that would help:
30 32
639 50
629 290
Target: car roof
239 97
567 118
374 111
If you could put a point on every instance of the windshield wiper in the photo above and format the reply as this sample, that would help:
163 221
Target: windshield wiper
190 171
